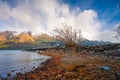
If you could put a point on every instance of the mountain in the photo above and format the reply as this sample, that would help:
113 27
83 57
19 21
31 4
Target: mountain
95 42
25 38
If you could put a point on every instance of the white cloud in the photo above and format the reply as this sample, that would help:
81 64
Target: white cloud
107 35
4 11
45 15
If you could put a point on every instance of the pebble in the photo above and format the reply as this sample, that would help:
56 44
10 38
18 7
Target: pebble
59 76
69 74
53 71
106 68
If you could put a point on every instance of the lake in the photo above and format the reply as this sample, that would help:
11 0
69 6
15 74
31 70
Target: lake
13 61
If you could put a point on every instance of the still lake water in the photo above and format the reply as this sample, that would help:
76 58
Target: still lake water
13 61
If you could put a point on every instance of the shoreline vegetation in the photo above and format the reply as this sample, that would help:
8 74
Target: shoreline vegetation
61 66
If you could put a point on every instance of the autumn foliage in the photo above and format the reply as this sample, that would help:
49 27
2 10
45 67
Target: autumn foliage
25 38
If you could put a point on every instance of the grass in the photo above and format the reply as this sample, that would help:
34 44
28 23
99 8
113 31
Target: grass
3 46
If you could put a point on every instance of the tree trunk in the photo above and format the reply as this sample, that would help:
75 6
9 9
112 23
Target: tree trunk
71 48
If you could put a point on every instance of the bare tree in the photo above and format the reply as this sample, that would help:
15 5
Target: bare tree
30 33
71 36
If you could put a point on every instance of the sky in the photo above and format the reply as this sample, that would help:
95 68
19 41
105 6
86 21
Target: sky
97 19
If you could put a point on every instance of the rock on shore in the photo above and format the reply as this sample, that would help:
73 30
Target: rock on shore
86 67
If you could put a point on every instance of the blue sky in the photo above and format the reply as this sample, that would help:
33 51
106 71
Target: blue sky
108 10
96 18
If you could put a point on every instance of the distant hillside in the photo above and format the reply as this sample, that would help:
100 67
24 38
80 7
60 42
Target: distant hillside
93 43
11 40
23 40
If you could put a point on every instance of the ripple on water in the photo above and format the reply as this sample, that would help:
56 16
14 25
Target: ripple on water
14 61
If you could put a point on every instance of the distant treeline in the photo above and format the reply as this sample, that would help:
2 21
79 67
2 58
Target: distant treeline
13 40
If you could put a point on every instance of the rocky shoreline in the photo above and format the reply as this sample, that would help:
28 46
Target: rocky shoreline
88 67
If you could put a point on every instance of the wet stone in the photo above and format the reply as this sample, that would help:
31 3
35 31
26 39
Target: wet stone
117 75
106 68
12 70
9 74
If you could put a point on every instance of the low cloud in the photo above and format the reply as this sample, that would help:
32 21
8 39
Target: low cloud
41 16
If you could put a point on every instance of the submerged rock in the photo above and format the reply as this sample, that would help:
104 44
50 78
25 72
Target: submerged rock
12 70
8 74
